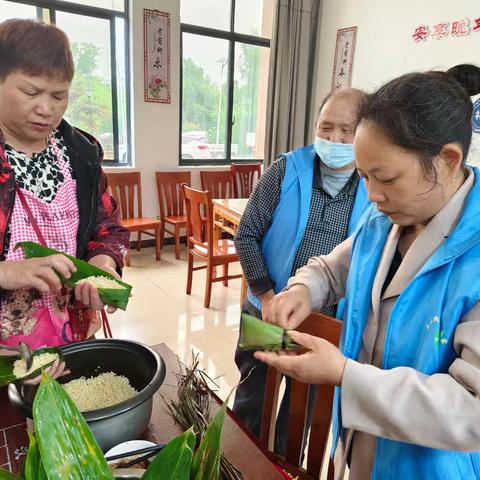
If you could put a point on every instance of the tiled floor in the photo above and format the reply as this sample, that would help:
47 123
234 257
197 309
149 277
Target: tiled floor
161 312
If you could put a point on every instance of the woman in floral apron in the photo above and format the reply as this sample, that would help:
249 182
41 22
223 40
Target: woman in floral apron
52 190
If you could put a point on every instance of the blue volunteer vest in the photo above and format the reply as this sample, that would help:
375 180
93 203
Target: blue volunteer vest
420 330
281 242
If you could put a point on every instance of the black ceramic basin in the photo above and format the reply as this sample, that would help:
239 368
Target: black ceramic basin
140 364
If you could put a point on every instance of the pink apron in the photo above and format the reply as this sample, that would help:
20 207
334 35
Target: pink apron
26 315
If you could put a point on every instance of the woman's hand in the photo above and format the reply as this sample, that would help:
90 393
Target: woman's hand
57 369
39 273
290 307
322 364
86 293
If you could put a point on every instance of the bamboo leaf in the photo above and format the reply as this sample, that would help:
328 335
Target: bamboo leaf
192 408
67 447
7 361
174 460
258 335
116 297
206 460
6 475
33 463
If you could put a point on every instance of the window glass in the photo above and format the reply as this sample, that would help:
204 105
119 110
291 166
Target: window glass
118 5
16 10
90 106
249 101
254 17
206 13
204 97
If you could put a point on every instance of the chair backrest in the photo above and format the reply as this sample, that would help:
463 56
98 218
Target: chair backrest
245 176
123 187
199 216
219 183
169 189
320 326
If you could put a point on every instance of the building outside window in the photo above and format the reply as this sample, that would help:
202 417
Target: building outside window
225 63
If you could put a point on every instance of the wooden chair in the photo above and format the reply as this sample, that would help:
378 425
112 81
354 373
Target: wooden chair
170 199
245 176
320 326
212 252
220 184
123 187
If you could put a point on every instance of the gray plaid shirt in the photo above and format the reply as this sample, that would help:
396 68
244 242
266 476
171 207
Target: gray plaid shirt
327 226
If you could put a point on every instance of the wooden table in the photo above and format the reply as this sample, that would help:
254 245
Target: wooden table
227 214
226 217
236 444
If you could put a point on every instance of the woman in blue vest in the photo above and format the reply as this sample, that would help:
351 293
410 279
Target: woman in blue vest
408 369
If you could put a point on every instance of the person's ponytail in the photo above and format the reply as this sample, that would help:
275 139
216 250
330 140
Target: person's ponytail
468 76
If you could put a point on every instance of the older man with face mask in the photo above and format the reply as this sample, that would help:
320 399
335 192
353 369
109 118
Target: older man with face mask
304 205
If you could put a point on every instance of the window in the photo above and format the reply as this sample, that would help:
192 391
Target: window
99 97
225 62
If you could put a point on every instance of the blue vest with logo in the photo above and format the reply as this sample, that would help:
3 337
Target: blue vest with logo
281 242
420 330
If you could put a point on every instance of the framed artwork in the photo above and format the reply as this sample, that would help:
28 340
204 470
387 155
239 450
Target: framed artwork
343 61
156 44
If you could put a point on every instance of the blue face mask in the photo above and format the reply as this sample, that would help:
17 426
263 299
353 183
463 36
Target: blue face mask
334 155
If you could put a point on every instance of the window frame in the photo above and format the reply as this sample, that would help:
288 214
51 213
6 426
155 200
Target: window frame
105 14
232 37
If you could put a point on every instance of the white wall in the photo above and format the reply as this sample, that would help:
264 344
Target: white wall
385 47
155 125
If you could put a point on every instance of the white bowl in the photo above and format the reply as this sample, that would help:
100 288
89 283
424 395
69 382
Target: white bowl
129 446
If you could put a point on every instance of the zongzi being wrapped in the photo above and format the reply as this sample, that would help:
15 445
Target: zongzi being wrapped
112 292
101 282
39 361
258 335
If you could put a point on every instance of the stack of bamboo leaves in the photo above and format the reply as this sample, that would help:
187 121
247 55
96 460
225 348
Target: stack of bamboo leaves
193 408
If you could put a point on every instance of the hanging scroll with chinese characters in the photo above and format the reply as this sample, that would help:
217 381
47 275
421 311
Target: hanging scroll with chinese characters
343 61
156 30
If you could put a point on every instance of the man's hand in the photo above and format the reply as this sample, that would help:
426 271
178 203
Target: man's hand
290 307
41 273
322 364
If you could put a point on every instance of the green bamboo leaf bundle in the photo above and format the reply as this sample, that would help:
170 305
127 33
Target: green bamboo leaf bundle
115 297
258 335
206 460
33 463
175 459
7 361
192 408
67 447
